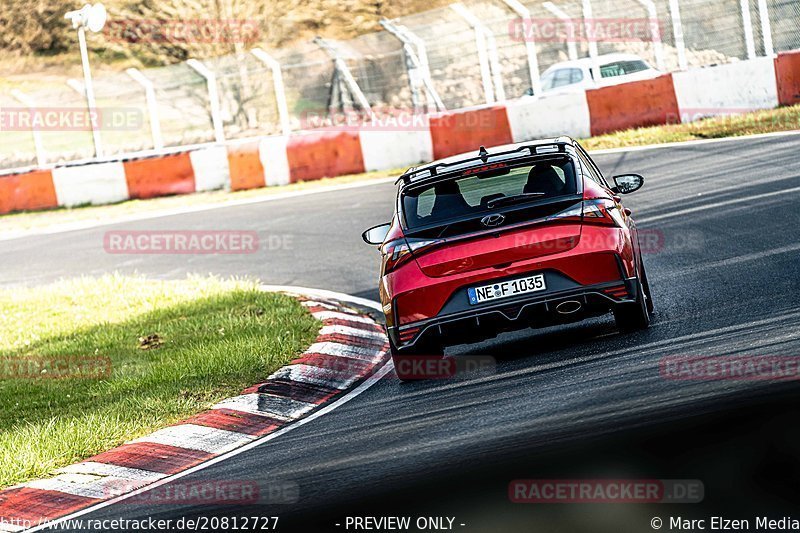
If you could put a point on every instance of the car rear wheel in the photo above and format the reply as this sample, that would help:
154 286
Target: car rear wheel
636 315
402 359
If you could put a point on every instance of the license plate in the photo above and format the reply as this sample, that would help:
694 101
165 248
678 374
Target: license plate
506 289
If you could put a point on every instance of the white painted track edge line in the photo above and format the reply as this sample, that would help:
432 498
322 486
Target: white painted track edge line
323 293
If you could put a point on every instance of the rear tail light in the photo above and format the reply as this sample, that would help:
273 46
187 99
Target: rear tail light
397 252
602 212
572 213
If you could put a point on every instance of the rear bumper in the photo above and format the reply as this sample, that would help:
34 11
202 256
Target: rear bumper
529 310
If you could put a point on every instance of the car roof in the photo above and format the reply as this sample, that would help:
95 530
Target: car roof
474 158
586 62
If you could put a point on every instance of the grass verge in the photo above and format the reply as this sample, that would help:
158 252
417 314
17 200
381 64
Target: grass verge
768 121
174 349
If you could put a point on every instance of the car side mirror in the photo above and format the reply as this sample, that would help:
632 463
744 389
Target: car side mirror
376 234
627 183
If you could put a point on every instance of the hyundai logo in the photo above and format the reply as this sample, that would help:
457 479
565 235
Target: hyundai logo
491 221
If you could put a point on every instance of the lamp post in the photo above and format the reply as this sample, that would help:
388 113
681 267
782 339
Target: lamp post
93 18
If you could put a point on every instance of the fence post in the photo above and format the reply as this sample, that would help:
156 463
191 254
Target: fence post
766 28
89 92
344 72
655 30
152 105
530 44
422 56
483 52
279 88
677 30
747 22
572 48
37 135
588 24
95 116
213 97
416 61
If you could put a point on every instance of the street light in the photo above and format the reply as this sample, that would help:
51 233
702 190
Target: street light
94 18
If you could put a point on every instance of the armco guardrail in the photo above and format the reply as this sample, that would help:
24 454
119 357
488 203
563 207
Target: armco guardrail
761 83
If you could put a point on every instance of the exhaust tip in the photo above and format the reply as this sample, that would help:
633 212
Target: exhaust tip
569 307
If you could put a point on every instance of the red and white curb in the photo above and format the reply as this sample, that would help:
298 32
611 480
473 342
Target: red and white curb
349 355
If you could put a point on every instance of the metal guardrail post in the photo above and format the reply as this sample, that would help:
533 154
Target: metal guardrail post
766 28
655 30
413 67
89 92
152 105
677 31
38 147
747 22
279 88
487 56
94 114
572 48
213 97
530 44
588 18
414 47
344 71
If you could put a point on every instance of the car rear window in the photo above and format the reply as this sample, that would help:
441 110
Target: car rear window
621 68
459 197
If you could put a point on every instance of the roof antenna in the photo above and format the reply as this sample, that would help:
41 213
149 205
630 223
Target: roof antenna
484 154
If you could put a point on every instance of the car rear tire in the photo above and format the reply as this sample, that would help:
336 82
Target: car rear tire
424 349
634 316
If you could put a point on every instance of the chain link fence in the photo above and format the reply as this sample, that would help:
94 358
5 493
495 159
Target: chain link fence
471 53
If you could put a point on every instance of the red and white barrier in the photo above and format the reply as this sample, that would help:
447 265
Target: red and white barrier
211 170
726 89
760 83
551 116
385 150
95 183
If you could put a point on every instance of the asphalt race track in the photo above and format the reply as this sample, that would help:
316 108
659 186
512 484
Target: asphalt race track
579 401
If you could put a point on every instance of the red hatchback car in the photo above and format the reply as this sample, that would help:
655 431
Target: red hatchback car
525 235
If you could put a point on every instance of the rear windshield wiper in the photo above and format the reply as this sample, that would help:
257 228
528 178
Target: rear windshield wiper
506 200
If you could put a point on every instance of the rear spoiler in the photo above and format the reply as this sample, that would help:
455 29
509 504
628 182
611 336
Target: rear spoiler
521 154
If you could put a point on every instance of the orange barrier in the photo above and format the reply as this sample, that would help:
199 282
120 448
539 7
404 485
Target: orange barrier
159 176
323 154
246 169
787 72
458 132
27 192
632 105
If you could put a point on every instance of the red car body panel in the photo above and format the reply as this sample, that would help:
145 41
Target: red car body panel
585 252
419 297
